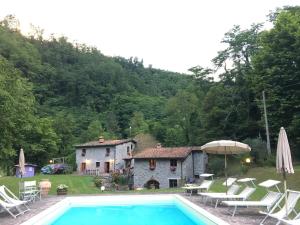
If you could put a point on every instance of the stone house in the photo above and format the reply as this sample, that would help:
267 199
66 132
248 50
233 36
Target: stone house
166 167
103 156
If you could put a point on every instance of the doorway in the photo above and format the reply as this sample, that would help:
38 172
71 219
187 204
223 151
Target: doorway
83 167
106 167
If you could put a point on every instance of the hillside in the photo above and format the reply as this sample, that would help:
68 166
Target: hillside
79 87
55 93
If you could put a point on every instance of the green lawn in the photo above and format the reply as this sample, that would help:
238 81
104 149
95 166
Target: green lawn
77 184
84 184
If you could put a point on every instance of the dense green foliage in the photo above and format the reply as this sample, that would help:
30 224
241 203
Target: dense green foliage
54 93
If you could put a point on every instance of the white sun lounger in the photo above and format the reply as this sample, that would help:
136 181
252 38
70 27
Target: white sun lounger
205 185
232 190
218 197
9 197
295 221
12 209
292 198
267 201
230 181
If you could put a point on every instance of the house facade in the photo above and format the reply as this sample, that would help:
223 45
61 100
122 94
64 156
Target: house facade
166 167
103 156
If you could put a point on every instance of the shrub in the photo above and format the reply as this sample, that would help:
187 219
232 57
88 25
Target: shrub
216 165
119 179
270 161
98 181
258 150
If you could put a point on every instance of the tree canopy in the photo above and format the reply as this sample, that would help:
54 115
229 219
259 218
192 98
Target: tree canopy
55 93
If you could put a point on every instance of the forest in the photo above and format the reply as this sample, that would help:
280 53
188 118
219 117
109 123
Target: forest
55 93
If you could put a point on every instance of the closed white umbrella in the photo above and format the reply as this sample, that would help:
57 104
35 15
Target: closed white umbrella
284 163
22 163
225 147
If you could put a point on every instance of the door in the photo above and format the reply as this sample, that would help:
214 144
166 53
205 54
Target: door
106 167
83 167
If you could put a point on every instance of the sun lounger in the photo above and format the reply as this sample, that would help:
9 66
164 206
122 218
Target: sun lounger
9 197
204 186
230 181
232 190
218 197
12 209
295 221
284 211
267 201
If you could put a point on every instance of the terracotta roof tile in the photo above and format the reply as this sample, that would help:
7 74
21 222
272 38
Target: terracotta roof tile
163 153
105 143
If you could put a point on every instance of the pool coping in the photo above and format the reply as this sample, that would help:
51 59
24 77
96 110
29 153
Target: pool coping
60 207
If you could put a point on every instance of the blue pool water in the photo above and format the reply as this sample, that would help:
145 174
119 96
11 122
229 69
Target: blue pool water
127 215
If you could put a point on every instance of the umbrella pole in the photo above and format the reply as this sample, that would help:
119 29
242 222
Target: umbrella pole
226 170
285 192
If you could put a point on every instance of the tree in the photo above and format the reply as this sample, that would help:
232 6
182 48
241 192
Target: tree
138 124
16 109
94 131
180 110
276 70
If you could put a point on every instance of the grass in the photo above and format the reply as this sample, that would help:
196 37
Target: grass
77 184
84 184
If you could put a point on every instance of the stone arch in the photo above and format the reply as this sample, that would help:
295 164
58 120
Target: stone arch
152 184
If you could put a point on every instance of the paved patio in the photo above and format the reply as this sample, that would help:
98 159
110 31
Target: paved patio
244 216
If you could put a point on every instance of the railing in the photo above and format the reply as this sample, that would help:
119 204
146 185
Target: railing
94 172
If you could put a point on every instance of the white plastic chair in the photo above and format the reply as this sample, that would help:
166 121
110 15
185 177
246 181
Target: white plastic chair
29 191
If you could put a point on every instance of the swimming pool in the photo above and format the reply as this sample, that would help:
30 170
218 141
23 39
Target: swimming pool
125 210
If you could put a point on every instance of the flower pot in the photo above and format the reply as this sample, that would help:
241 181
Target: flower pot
45 186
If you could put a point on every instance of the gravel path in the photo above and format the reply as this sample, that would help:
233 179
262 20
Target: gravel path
244 216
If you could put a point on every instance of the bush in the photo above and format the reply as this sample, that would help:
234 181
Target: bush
258 152
119 179
98 181
270 161
216 165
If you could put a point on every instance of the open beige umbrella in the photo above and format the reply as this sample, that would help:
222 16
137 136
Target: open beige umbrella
284 163
225 147
22 163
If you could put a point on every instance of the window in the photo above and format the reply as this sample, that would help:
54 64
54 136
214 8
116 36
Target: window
131 146
83 152
107 151
173 165
172 183
97 164
152 164
173 162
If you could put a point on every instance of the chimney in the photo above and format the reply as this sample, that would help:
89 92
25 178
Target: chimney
158 145
101 139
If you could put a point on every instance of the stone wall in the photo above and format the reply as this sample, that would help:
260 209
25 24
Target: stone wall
98 154
193 164
161 173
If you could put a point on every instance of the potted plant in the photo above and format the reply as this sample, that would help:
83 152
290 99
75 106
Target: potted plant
62 189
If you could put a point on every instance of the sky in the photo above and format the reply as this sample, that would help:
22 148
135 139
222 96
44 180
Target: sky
173 35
